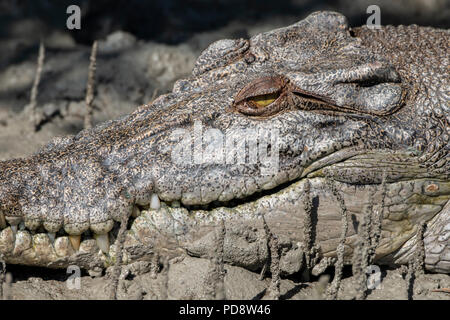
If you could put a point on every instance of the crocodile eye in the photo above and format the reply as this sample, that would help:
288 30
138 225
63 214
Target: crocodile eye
264 100
262 97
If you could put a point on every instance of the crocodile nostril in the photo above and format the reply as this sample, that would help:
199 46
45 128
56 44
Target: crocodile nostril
352 33
249 58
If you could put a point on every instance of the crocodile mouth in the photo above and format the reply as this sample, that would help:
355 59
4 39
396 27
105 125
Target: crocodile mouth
22 245
418 201
171 224
283 208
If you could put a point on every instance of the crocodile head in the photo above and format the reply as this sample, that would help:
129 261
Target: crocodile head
260 123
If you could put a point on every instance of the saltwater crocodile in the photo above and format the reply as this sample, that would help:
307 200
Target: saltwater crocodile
261 125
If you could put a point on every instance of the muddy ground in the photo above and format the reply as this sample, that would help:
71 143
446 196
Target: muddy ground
131 72
186 278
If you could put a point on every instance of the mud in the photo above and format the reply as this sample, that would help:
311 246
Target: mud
186 279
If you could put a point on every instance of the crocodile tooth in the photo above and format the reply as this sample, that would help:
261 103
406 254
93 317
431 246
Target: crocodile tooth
14 222
52 236
75 241
22 242
102 242
2 221
154 202
136 212
63 247
7 241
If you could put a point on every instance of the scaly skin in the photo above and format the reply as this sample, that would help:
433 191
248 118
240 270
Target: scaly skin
366 110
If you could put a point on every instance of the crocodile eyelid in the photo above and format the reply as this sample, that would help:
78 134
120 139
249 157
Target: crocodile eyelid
261 86
251 108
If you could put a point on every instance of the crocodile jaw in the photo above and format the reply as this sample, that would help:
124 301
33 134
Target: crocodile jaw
406 207
176 229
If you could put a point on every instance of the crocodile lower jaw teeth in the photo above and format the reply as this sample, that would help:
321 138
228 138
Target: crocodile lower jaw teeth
75 240
62 240
154 202
102 242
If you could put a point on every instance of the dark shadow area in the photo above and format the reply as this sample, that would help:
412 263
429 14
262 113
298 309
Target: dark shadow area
355 222
410 286
260 295
196 23
23 273
314 218
293 291
175 21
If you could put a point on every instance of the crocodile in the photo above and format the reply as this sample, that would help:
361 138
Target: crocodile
296 125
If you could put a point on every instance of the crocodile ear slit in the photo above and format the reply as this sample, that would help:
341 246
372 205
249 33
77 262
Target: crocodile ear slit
373 88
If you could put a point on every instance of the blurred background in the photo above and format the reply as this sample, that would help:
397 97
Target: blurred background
176 21
144 46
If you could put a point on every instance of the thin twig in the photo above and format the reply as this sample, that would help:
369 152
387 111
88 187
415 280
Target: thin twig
445 290
307 224
8 286
273 291
416 262
119 257
274 288
35 87
364 251
2 275
420 250
165 279
266 238
378 220
154 95
214 282
333 289
90 87
220 284
410 277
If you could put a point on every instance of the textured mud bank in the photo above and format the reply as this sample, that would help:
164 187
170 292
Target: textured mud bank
188 278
